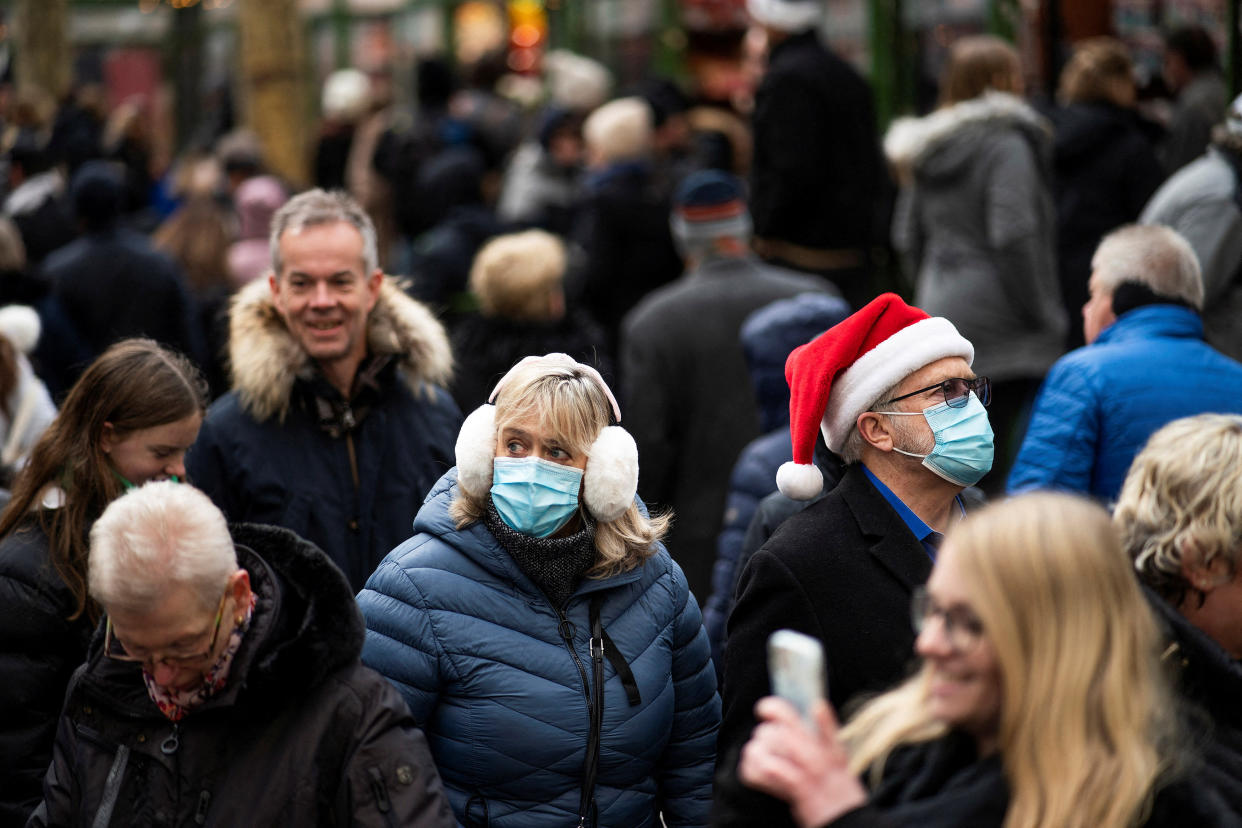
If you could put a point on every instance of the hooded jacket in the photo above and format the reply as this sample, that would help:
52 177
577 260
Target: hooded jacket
285 448
976 225
498 678
302 734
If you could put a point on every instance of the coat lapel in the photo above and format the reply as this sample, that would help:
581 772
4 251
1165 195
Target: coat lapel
889 540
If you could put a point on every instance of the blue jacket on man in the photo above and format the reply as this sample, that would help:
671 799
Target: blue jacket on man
1100 403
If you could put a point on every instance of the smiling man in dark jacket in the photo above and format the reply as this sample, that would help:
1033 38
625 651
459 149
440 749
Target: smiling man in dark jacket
338 423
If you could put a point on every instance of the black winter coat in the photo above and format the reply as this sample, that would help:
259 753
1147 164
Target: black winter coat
1211 682
943 784
39 650
486 347
298 475
622 227
301 735
112 284
1106 169
842 570
817 177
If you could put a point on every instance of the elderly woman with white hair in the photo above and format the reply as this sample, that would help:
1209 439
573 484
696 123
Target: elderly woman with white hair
226 687
1180 517
537 627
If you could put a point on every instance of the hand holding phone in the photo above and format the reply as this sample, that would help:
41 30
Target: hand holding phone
796 669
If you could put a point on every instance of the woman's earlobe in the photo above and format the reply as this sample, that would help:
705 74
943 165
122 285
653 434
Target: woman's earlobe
107 438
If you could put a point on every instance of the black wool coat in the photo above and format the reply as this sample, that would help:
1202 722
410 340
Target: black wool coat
816 177
39 650
842 570
301 734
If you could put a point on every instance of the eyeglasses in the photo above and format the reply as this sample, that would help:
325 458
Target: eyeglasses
956 391
961 628
114 649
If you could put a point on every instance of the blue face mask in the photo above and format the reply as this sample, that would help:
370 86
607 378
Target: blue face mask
963 451
533 496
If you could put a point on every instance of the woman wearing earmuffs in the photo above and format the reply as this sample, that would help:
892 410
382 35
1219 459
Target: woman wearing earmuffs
538 629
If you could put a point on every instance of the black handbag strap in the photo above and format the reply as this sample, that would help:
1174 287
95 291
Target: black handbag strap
601 648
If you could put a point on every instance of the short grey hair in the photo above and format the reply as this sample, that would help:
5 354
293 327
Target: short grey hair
315 207
1154 256
160 535
852 449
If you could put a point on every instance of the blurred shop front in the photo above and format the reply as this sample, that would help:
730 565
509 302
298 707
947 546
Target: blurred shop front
177 60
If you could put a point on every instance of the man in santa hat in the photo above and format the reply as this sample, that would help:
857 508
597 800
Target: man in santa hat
892 392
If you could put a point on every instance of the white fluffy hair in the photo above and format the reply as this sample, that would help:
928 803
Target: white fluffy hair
161 535
1151 255
316 207
620 130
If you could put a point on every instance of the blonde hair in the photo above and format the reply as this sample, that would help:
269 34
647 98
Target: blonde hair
620 130
1094 71
1183 497
976 64
514 276
1086 713
569 403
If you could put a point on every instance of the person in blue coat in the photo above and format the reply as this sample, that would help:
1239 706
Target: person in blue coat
539 631
1146 363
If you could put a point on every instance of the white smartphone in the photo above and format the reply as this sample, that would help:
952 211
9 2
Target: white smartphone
796 669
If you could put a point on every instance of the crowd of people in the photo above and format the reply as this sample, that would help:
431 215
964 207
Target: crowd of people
321 507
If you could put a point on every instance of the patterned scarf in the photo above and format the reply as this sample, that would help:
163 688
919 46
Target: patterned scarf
554 564
175 704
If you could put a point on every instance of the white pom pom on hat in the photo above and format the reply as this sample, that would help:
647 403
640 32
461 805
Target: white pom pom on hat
843 371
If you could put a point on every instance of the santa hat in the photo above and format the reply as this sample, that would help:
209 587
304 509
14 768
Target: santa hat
787 15
842 373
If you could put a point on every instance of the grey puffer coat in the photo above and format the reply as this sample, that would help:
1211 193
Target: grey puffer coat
976 225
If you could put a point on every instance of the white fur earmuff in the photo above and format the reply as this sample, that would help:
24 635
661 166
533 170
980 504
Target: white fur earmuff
611 477
475 449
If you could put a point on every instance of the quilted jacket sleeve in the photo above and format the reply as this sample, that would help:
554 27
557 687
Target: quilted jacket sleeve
1060 445
401 643
690 759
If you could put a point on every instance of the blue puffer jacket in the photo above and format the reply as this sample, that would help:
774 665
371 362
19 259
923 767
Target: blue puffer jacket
1100 403
476 650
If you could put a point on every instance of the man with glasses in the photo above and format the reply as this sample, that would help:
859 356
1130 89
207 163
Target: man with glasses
227 688
1145 364
892 392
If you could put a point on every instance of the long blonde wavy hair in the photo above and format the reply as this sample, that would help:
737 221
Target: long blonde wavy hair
1087 716
569 403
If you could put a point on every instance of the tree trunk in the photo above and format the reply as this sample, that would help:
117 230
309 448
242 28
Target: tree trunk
273 69
43 58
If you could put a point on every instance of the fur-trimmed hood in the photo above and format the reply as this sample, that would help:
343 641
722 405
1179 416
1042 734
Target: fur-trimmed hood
266 360
944 141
